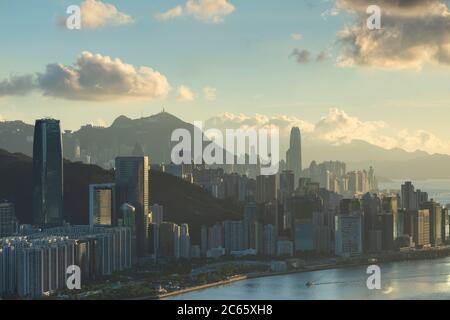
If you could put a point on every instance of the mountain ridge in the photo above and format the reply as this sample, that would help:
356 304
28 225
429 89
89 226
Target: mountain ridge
153 133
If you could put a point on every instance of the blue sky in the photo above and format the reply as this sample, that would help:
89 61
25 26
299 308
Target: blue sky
246 58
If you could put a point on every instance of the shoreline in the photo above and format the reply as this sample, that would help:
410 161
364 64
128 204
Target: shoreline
396 257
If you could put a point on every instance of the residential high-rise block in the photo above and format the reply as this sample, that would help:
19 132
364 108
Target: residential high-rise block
8 220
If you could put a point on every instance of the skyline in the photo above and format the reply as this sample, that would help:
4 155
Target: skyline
232 59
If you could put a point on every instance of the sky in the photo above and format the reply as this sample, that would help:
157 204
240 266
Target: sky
312 63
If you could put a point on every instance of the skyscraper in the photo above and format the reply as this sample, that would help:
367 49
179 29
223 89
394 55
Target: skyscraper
185 241
47 197
157 213
132 187
294 154
101 204
266 189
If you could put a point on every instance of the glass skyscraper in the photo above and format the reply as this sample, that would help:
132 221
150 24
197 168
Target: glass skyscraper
132 187
47 174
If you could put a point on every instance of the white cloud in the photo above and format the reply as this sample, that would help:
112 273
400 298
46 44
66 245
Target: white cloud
96 14
210 93
296 36
185 94
170 14
209 11
413 33
96 77
337 128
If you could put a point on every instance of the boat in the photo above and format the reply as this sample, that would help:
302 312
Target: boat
309 284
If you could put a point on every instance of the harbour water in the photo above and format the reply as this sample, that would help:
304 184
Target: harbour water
424 279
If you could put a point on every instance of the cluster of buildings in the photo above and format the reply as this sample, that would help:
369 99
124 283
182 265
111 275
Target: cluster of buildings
35 262
122 227
322 210
333 176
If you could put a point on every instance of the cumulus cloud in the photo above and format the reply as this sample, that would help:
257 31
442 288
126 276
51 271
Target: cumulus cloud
210 93
184 94
96 14
17 85
413 33
93 77
337 128
209 11
258 121
97 77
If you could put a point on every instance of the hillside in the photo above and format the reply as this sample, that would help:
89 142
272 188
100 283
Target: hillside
153 135
182 201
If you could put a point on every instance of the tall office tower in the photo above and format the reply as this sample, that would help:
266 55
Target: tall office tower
167 237
153 239
422 197
435 211
47 174
303 209
185 242
422 228
266 189
157 213
445 226
287 184
353 182
177 241
102 204
8 221
409 197
294 154
372 234
132 187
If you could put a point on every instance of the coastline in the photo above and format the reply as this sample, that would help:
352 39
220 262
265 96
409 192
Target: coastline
425 254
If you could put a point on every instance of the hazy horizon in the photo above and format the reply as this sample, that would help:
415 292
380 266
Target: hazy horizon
313 68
